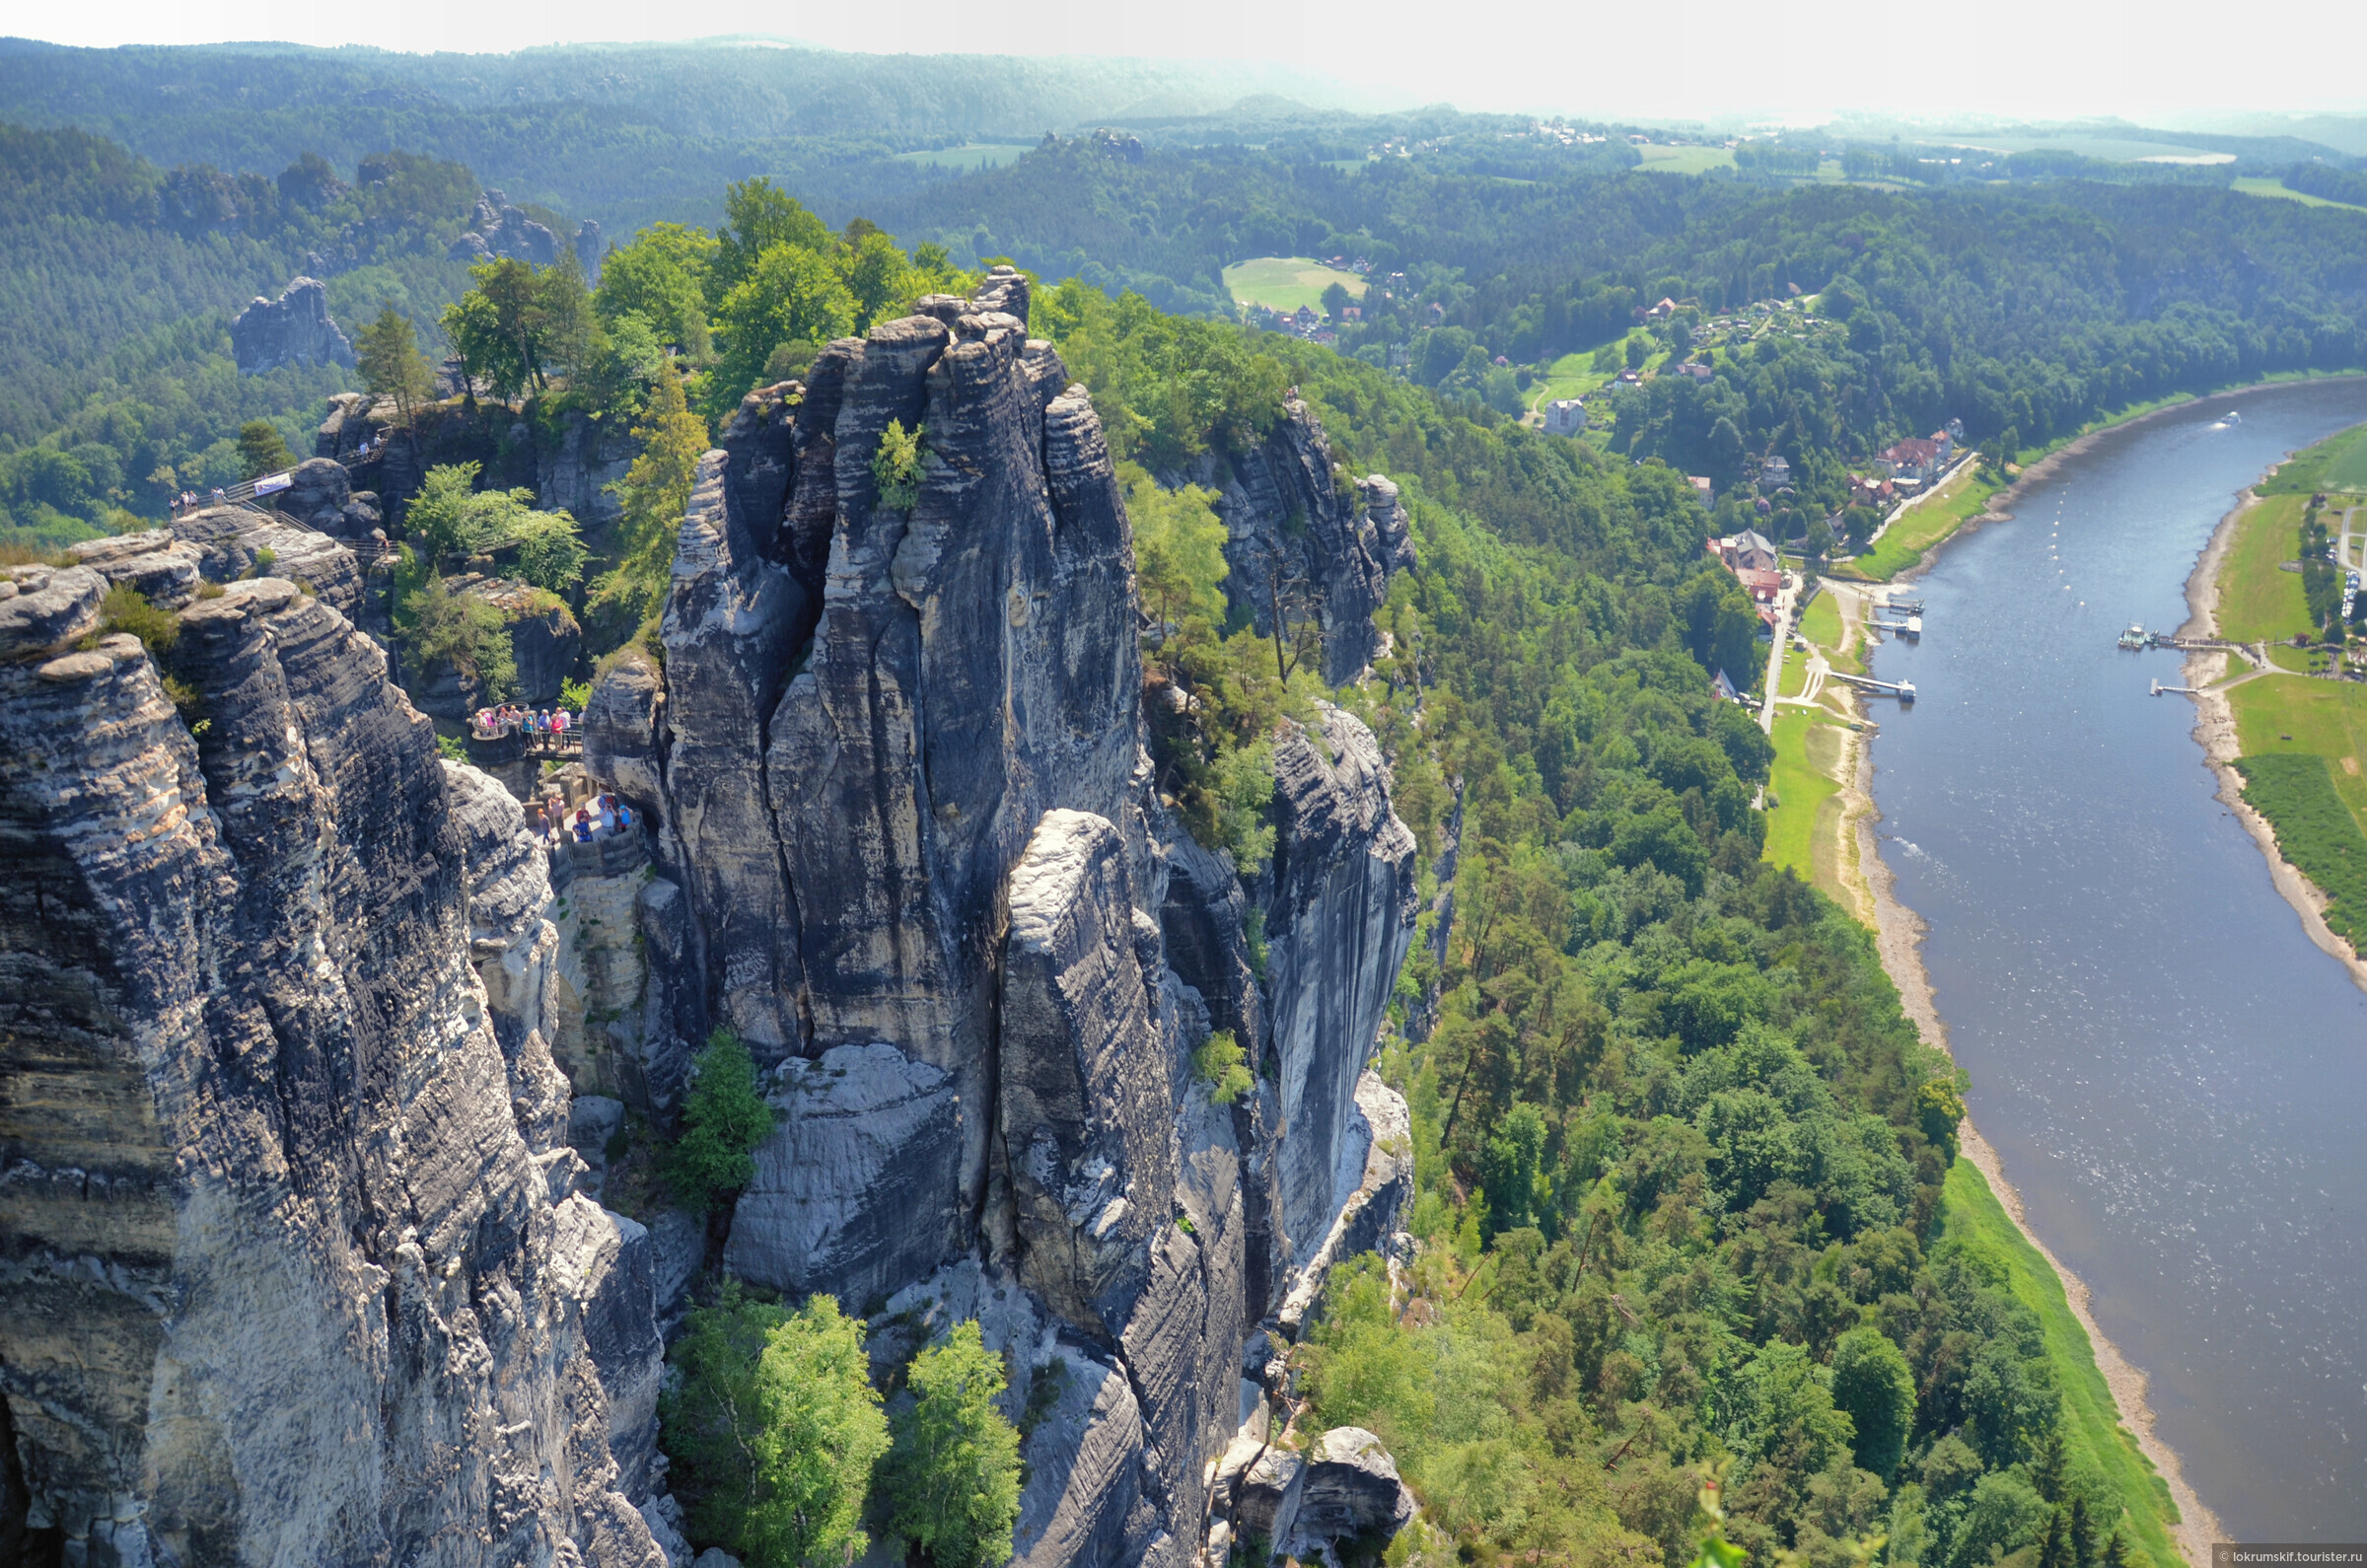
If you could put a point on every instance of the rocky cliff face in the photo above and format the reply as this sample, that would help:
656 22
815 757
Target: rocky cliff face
293 329
909 852
299 1259
1295 526
569 467
292 1264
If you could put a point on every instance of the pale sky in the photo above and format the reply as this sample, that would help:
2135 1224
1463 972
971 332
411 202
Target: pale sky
1658 62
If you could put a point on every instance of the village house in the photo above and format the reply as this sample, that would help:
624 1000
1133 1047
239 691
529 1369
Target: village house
1775 473
1920 460
1747 551
1701 486
1867 490
1565 416
1912 461
1306 317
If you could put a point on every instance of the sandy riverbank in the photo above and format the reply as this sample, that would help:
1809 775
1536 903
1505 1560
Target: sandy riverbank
2215 733
1898 938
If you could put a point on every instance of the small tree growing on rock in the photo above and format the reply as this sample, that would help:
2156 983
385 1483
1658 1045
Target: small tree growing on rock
724 1118
953 1473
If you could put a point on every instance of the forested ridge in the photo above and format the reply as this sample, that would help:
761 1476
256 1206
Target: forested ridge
117 384
2022 308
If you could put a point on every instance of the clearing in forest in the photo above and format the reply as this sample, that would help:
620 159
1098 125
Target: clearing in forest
1286 282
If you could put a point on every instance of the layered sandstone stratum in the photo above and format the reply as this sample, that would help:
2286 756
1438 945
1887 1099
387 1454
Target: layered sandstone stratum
309 1078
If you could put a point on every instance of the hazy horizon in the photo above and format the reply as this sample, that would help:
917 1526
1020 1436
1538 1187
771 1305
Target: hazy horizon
1706 60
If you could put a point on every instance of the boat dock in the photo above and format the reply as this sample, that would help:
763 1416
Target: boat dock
1911 627
2159 688
2137 637
1903 691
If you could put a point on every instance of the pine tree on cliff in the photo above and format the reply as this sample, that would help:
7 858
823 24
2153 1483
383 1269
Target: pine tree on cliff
655 490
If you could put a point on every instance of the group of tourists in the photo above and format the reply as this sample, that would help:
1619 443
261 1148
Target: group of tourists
191 500
601 817
509 718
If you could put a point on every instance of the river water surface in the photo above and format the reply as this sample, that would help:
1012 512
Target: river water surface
2174 1077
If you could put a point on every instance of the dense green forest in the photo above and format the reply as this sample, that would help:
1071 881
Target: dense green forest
117 384
628 135
1680 1153
2024 308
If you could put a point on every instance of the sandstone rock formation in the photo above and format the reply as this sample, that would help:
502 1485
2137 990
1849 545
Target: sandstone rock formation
1295 526
311 1079
498 229
568 463
292 1266
293 329
897 764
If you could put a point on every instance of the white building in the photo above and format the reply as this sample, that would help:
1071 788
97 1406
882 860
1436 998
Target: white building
1565 416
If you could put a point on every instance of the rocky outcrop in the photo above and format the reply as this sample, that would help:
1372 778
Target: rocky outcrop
292 1264
1297 528
498 229
165 570
295 330
850 1191
321 496
1372 1182
911 853
568 461
234 540
1338 920
1344 1486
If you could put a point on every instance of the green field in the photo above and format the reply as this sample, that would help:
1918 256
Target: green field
2287 716
1571 375
2270 185
2339 462
2259 600
969 158
1821 622
1284 283
1903 547
2317 829
1970 1213
1804 828
1685 160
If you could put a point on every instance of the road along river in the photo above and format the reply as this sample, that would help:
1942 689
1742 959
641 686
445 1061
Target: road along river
2173 1075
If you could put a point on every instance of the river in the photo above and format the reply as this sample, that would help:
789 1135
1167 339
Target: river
2173 1075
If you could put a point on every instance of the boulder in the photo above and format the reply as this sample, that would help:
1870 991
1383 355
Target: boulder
321 496
294 329
46 609
1348 1489
849 1186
